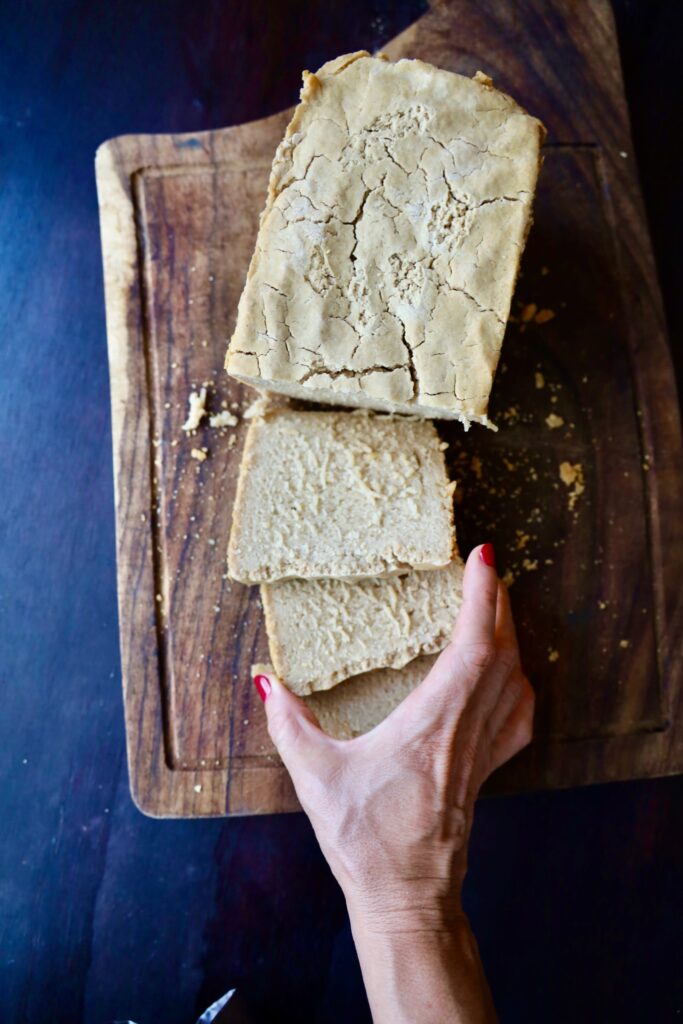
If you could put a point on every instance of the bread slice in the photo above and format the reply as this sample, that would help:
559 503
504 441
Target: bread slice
397 211
320 632
340 494
359 704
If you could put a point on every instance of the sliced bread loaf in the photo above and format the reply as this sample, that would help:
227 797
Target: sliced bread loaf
320 632
340 494
398 208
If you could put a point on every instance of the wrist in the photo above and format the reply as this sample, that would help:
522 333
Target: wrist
421 967
406 913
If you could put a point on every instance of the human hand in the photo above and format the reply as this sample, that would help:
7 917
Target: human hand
392 810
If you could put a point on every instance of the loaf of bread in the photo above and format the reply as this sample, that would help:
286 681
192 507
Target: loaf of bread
321 632
340 494
397 211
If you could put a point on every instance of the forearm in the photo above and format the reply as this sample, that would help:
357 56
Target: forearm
417 973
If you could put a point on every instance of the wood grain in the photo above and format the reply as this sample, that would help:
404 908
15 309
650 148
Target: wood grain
593 590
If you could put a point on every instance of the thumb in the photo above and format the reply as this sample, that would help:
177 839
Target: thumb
292 726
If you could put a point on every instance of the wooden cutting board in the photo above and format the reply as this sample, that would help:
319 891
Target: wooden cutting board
595 550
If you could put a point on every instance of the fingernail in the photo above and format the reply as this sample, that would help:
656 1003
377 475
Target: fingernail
263 687
488 555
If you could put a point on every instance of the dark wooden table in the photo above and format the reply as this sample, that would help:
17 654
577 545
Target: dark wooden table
575 896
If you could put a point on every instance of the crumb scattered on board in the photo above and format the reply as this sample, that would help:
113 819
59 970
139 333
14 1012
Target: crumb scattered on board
265 403
197 410
530 313
553 655
554 421
223 419
571 475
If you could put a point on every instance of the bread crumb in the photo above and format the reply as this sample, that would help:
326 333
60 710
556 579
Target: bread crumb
539 379
544 271
624 643
232 441
553 655
602 605
528 312
522 540
571 475
198 788
529 565
509 578
554 421
223 419
197 410
544 315
264 404
200 454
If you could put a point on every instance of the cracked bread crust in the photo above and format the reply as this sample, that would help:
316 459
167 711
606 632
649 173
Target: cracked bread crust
340 494
398 207
321 632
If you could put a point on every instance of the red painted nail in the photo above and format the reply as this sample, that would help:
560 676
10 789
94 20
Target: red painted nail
263 687
488 555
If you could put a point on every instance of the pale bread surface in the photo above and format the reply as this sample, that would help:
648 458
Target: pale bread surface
359 704
321 632
340 495
398 207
